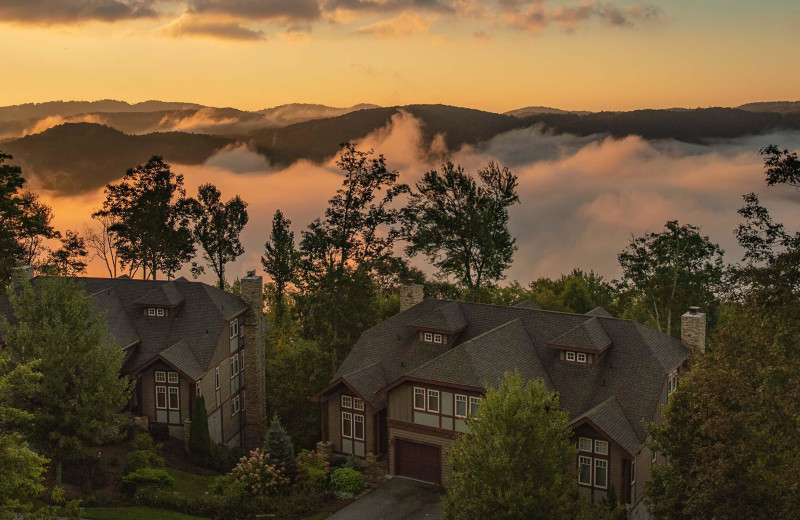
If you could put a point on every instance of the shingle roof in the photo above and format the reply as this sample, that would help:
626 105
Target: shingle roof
181 356
587 335
162 295
368 381
632 371
528 304
610 418
447 318
600 312
120 328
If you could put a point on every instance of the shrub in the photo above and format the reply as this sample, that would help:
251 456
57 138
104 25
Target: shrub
278 445
259 474
199 436
160 432
141 459
346 482
146 477
312 470
143 441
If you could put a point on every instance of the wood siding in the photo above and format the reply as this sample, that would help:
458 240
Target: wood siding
334 427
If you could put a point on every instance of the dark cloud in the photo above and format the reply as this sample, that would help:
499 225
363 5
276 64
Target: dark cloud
259 9
74 11
441 6
224 30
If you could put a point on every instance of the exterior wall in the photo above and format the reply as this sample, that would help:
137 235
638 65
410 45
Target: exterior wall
148 403
334 428
618 462
252 332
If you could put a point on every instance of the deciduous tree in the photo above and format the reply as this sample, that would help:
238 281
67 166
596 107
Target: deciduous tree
70 258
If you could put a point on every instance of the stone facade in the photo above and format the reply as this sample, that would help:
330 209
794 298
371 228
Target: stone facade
410 295
255 413
693 330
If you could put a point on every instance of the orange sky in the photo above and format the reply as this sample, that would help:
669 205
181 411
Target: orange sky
491 54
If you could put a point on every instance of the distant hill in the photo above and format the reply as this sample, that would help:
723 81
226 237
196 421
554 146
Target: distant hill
532 111
71 108
76 157
783 107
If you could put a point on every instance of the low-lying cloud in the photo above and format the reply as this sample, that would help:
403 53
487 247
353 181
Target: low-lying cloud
582 198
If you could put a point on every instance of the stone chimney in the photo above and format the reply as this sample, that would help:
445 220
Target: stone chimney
252 292
19 275
693 330
410 295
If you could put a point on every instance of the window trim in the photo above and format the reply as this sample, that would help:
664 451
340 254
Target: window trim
600 463
581 357
633 470
170 378
216 378
151 311
358 404
234 328
357 417
580 440
162 390
427 337
584 460
420 391
160 312
466 406
234 361
161 376
198 390
346 401
476 401
177 393
653 456
438 338
600 442
438 395
349 417
570 355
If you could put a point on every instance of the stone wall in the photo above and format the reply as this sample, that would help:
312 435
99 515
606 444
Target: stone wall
255 411
410 295
693 330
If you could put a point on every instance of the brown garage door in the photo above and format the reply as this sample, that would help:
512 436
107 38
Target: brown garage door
418 461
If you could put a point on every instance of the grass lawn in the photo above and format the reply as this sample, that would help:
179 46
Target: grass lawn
189 485
133 513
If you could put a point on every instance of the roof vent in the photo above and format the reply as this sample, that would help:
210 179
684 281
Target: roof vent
251 273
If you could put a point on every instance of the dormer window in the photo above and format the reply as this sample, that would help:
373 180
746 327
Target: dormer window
434 337
427 337
570 356
581 357
437 338
234 328
151 311
159 312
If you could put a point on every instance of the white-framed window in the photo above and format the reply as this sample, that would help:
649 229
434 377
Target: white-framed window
601 473
174 398
151 311
585 444
437 338
433 401
570 356
172 377
161 377
234 328
474 404
653 456
601 447
584 471
633 471
461 405
419 398
581 357
347 424
673 382
161 397
358 427
216 378
235 405
358 404
428 337
234 366
197 389
159 312
347 401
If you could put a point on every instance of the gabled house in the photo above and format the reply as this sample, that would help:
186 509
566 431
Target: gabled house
410 382
183 339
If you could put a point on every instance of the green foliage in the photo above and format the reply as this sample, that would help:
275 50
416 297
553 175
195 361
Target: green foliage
58 325
669 271
144 441
157 477
216 228
70 258
346 482
517 461
280 262
313 471
461 226
278 445
261 473
199 437
141 459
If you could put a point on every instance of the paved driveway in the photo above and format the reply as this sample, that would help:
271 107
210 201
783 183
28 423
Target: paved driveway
397 499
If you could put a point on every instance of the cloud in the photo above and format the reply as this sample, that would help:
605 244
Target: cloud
48 12
259 9
535 15
193 25
393 6
48 122
402 25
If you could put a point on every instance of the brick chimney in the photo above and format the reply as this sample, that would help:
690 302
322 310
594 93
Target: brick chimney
410 295
693 329
19 275
252 292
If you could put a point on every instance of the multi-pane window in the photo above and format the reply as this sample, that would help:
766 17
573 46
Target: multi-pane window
601 473
216 378
161 397
347 424
570 356
593 471
172 377
159 312
234 366
234 328
673 382
347 401
235 405
419 398
161 377
474 403
581 357
601 447
428 337
358 427
585 470
151 311
585 444
433 401
461 405
197 389
358 404
437 338
174 400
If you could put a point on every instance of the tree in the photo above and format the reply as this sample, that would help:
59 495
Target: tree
70 259
81 392
199 436
103 242
781 166
151 217
217 228
21 469
280 261
517 461
461 226
278 445
669 271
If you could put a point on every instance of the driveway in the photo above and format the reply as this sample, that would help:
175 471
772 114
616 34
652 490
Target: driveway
397 499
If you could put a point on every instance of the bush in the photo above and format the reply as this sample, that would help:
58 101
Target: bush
141 459
312 471
223 459
144 441
199 436
160 432
346 482
146 477
261 476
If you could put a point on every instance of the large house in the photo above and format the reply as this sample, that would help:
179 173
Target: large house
184 339
408 384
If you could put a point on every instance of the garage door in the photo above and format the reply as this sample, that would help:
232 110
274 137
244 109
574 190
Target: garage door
418 461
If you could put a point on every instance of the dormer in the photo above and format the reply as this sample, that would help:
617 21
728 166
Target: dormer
441 326
160 302
582 344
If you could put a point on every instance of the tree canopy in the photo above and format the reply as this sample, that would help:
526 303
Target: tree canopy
280 261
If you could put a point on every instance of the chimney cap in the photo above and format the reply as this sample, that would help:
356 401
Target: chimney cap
251 274
694 309
410 281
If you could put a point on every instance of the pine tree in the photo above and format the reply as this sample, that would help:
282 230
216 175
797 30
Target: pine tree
278 445
199 436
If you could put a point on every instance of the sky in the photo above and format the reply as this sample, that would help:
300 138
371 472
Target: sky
495 55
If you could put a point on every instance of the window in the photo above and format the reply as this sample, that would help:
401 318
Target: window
433 401
601 473
234 328
570 356
358 404
601 447
234 366
673 383
474 403
159 312
633 471
161 377
151 311
347 424
174 401
461 405
653 456
197 389
585 444
358 427
428 337
216 378
172 377
437 338
419 398
581 356
585 473
234 406
347 401
161 397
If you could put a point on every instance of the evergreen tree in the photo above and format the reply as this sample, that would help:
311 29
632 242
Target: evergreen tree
278 445
199 436
280 262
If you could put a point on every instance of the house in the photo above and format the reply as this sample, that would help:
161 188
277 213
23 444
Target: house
409 382
183 339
